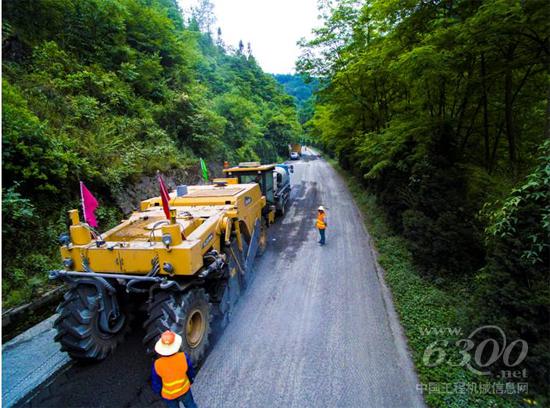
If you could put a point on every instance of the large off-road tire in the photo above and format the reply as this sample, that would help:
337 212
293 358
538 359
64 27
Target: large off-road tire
78 329
188 314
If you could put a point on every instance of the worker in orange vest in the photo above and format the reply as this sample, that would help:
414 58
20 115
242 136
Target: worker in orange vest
321 224
173 373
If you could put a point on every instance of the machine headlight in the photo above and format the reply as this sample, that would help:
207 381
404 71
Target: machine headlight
68 263
168 268
64 239
166 239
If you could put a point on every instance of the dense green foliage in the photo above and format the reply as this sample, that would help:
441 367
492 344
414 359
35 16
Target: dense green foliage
514 286
440 109
107 91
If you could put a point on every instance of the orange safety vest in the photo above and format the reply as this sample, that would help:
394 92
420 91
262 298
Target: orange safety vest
321 221
173 371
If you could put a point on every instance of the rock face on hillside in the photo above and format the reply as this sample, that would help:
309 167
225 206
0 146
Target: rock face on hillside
129 197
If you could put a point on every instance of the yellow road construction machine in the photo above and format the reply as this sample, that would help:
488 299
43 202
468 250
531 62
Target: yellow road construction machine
182 271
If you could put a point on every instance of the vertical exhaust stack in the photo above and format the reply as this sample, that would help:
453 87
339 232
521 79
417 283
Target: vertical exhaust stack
80 235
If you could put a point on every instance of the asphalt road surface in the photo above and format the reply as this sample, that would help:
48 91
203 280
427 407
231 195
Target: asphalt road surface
316 328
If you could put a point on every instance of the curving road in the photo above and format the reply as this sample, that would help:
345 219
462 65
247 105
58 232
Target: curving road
315 329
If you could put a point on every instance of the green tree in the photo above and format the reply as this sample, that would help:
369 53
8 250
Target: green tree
108 92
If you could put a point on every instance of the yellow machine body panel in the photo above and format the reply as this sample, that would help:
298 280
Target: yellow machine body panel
199 225
227 180
248 167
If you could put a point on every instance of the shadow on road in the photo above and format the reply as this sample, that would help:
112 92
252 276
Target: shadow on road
121 380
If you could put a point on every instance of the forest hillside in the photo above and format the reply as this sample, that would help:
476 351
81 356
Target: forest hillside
108 92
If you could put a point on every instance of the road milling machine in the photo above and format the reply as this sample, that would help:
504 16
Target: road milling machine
181 271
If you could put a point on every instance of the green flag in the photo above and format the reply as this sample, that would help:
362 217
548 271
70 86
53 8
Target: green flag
204 170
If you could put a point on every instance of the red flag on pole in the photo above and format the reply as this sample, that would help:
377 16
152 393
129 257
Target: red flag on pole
165 197
89 205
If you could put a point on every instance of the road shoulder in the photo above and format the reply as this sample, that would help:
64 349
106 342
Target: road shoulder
29 360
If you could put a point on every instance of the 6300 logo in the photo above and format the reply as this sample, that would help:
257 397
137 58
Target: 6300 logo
484 347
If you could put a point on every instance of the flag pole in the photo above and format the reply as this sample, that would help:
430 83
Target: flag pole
82 201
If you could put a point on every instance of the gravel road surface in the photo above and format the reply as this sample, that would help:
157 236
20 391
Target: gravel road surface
316 328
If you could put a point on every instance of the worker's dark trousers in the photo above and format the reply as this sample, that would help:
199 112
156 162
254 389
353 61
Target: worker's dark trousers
186 400
322 234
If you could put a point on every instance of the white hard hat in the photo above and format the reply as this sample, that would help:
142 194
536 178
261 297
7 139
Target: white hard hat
321 208
168 344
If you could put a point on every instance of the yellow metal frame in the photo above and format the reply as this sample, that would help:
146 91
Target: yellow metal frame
247 169
228 180
202 220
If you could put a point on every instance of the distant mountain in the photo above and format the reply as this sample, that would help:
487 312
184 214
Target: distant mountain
303 93
295 86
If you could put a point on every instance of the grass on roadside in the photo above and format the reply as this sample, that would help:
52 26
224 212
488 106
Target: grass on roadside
426 313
